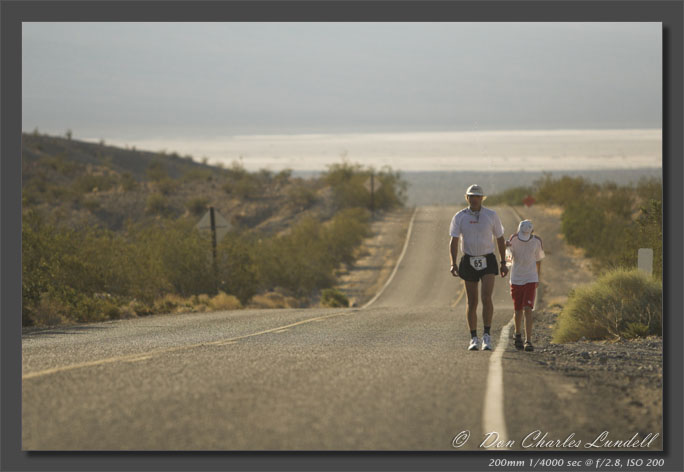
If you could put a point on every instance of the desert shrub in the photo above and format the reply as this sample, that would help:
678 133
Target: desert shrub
392 189
608 221
347 183
128 182
622 303
61 164
88 183
157 171
344 233
301 196
167 186
170 303
349 191
238 271
198 205
646 233
304 260
197 174
245 187
297 261
563 191
183 256
223 301
158 204
333 298
273 299
511 196
91 204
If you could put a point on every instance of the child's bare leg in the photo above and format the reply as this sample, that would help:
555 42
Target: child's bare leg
528 324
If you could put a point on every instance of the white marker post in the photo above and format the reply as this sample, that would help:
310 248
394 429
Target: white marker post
645 260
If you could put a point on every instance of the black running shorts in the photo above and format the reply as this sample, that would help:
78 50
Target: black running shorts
467 272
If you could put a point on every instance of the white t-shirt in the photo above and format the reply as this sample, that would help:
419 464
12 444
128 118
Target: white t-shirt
525 256
475 230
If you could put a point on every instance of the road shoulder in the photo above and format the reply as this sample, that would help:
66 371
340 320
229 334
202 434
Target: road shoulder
618 383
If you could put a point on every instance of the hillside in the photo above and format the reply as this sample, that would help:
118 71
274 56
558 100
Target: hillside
88 184
110 232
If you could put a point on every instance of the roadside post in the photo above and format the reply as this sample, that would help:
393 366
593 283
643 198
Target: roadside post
371 187
645 260
219 227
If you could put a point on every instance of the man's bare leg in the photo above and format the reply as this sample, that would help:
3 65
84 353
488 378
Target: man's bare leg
487 304
471 299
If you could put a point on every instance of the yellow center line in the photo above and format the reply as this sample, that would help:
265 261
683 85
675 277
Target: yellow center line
146 355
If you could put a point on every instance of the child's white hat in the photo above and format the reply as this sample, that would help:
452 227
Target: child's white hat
525 230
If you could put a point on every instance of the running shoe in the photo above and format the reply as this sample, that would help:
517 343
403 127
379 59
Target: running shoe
529 346
474 344
486 343
519 344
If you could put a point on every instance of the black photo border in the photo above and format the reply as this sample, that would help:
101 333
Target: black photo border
14 12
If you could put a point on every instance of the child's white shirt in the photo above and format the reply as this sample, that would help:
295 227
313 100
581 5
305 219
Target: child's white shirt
525 254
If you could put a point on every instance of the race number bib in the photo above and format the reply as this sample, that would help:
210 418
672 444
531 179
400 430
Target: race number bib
479 262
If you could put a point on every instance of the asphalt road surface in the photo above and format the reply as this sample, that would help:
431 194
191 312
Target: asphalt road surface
395 375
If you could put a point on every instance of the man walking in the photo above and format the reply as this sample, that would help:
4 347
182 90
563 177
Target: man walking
527 252
474 227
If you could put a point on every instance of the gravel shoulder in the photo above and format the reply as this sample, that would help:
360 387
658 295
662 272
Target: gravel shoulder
378 256
628 372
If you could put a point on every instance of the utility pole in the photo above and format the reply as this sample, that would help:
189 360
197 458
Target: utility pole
372 196
212 219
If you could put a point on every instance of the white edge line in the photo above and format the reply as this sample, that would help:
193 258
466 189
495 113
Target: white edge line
401 257
493 417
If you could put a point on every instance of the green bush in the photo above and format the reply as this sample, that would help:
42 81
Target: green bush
88 183
157 171
301 196
167 186
349 191
238 270
333 298
128 182
563 191
620 304
344 233
304 260
511 196
158 204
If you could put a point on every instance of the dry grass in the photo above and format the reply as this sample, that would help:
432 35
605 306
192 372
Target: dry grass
273 300
223 301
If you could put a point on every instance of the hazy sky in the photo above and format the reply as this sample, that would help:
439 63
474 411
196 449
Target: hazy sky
156 80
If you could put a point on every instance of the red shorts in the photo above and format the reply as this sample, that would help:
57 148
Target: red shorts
523 295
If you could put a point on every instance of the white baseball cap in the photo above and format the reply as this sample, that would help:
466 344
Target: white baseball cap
475 190
525 230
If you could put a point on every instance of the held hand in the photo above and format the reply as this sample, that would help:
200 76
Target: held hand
504 271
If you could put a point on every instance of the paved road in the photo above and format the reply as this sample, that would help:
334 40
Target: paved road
393 376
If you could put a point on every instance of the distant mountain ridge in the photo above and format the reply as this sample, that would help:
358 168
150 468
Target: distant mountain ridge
93 184
35 146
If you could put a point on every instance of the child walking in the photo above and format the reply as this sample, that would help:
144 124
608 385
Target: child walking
527 252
